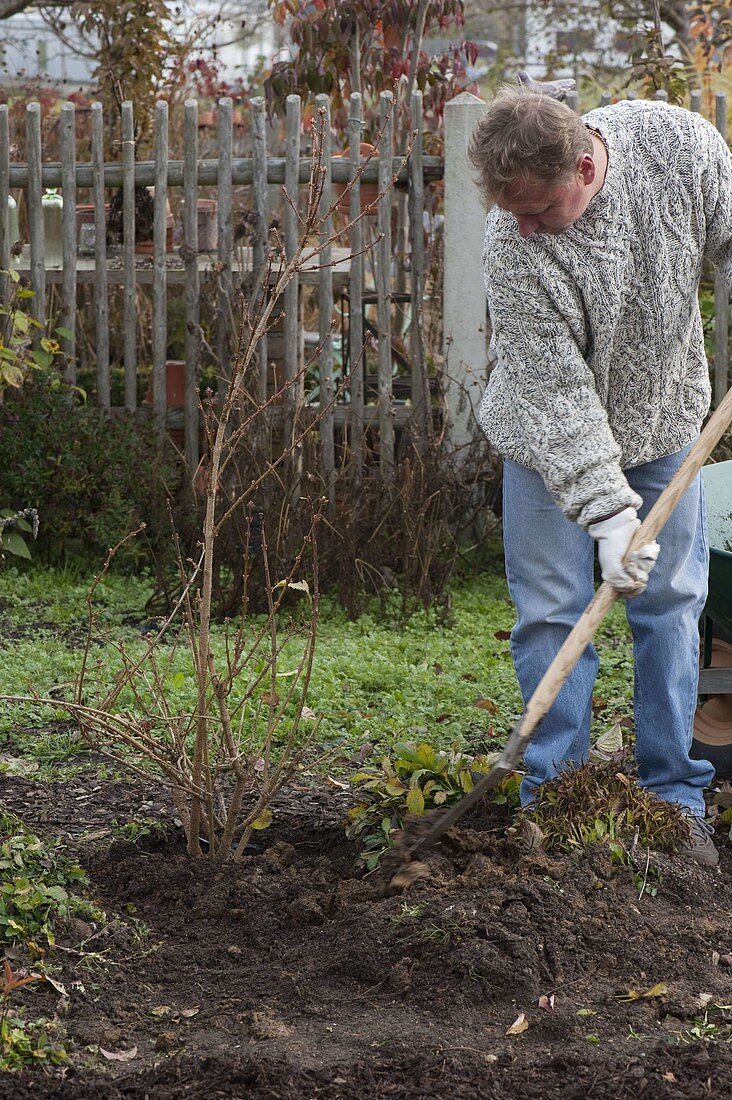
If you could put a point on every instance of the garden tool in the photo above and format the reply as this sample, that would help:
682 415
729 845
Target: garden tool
419 834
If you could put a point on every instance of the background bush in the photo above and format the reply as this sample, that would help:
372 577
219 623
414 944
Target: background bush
92 478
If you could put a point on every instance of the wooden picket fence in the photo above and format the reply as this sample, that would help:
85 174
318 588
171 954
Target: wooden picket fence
339 264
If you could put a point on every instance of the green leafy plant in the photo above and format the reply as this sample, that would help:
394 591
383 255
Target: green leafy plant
416 778
135 831
25 343
36 880
23 1043
12 542
80 470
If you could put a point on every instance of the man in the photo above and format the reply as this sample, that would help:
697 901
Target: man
593 253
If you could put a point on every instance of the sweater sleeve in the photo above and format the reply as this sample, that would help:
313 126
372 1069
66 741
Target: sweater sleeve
716 184
540 338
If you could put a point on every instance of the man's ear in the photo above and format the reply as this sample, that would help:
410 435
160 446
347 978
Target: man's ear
587 169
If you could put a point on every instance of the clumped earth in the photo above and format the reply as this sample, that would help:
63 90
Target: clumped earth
294 976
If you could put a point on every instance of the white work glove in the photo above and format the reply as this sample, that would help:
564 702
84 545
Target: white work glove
613 538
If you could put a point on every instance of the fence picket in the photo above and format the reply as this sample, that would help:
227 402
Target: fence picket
190 252
420 381
35 212
291 299
355 290
383 288
160 274
101 303
68 190
225 325
261 224
5 242
325 306
128 256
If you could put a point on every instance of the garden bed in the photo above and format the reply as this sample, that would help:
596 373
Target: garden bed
293 976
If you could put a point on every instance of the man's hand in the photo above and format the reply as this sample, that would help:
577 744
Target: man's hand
613 537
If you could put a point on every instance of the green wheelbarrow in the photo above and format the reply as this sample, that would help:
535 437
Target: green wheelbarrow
713 718
718 609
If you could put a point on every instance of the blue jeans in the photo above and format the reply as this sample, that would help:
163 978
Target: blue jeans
550 571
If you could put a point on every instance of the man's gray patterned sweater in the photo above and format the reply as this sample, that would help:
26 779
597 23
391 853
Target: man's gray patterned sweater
597 331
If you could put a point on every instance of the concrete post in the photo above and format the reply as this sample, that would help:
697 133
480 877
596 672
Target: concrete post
465 327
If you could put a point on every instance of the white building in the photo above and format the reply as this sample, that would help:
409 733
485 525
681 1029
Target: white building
31 49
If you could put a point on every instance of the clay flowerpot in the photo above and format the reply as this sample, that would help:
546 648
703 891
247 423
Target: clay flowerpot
369 191
175 394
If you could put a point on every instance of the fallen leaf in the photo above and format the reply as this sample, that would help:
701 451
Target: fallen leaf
339 786
309 714
715 958
532 836
119 1055
609 743
56 985
704 999
486 704
519 1024
668 1077
161 1010
187 1013
263 821
547 1003
660 989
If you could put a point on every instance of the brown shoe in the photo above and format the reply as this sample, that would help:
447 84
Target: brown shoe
700 846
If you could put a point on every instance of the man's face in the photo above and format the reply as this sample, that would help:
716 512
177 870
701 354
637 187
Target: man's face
541 207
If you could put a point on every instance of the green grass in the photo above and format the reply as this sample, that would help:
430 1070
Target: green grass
375 680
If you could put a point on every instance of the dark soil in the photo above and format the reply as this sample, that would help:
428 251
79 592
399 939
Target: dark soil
292 976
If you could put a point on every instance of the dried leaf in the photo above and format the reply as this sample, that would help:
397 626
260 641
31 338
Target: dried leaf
58 986
669 1077
715 958
660 989
161 1010
519 1024
609 743
308 714
339 786
119 1055
486 704
187 1013
531 835
547 1002
271 698
704 999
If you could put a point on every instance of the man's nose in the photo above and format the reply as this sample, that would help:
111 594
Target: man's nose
527 226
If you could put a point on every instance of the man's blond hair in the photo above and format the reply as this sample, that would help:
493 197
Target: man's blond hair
526 136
